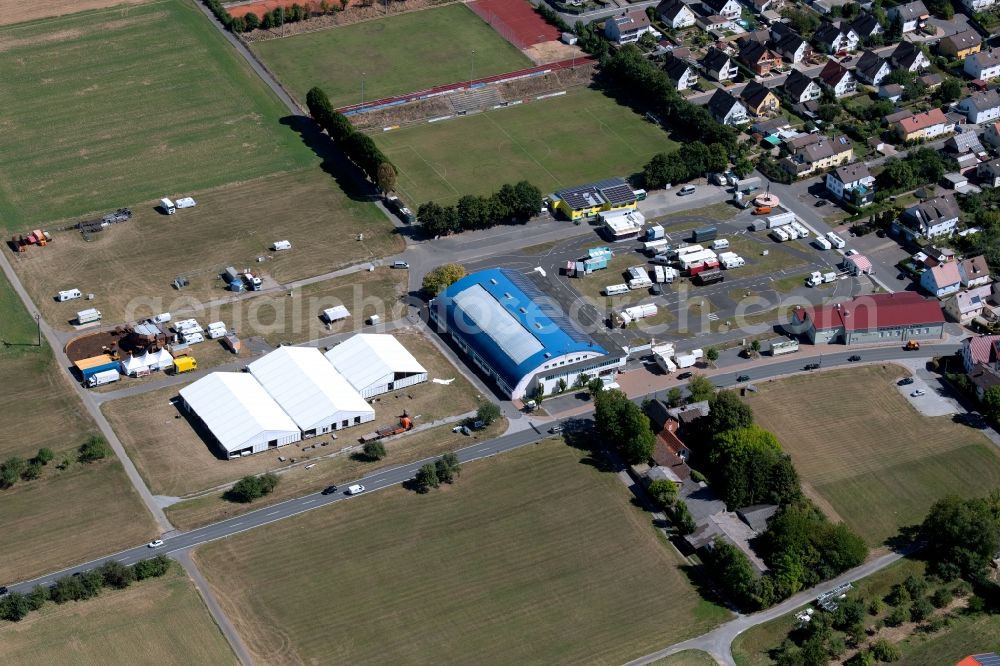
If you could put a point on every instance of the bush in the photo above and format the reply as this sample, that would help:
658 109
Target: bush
32 471
95 448
899 615
426 478
151 568
488 413
44 456
117 575
374 450
921 609
885 651
664 493
250 488
14 607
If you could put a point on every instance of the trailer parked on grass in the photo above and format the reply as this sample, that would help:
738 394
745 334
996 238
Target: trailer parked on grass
616 289
168 206
68 295
281 245
626 316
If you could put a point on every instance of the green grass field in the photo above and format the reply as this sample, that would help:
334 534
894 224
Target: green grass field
555 142
161 621
531 557
122 106
866 454
395 55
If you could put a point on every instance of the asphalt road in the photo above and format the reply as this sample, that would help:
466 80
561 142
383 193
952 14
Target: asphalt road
178 541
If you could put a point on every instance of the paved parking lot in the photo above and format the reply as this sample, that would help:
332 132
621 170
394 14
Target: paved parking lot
936 401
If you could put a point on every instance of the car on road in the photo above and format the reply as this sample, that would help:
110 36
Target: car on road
355 489
686 190
556 429
684 375
854 358
821 203
329 490
905 381
3 591
155 543
812 366
743 378
400 264
917 393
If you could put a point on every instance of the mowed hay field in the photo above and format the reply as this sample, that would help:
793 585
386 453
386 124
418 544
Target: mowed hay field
161 621
531 557
114 107
556 142
175 459
43 529
395 55
18 11
870 456
130 267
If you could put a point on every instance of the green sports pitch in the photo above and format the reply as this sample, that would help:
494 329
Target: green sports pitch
394 56
555 142
114 107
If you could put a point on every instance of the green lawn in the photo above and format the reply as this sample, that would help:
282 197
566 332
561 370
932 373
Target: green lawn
394 55
556 142
531 557
866 454
161 621
116 107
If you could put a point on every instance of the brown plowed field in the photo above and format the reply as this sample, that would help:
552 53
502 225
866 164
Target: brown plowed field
19 11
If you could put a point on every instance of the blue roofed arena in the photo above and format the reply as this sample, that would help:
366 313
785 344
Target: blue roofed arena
516 335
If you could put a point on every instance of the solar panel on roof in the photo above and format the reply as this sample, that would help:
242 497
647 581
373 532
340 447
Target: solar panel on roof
618 194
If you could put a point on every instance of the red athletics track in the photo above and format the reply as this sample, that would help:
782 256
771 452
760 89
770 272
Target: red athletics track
516 20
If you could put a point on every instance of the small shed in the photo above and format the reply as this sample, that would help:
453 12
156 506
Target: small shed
336 313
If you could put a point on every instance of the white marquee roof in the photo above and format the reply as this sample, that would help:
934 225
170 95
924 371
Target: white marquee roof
307 387
236 408
367 357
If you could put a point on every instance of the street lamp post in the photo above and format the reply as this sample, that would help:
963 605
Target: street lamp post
38 329
472 67
362 88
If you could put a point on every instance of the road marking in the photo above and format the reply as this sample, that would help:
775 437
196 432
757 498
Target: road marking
308 501
272 513
712 316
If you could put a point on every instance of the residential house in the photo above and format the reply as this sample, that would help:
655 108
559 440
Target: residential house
983 377
895 117
837 79
670 452
961 44
926 125
931 80
716 24
718 65
965 306
801 88
759 99
941 280
823 153
681 73
989 173
930 219
760 59
872 68
913 14
627 27
967 164
852 183
981 107
891 91
908 56
675 14
902 316
867 27
793 48
726 109
762 36
984 65
832 38
729 9
761 6
981 350
964 142
930 255
975 272
991 135
976 6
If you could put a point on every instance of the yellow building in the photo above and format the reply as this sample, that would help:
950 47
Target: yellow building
588 200
961 44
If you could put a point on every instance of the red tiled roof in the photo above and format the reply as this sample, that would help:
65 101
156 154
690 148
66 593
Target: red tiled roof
923 121
981 347
667 450
904 308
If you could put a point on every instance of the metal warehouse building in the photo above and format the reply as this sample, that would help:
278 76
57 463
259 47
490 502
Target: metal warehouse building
310 390
375 364
516 335
239 413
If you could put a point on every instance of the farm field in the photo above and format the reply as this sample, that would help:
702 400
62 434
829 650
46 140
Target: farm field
130 267
557 142
865 454
495 565
174 459
160 621
106 512
120 107
17 11
393 55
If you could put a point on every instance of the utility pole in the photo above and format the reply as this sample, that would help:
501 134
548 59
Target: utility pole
362 88
472 67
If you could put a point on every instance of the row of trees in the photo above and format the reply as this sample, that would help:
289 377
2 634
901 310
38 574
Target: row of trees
251 488
921 165
15 606
689 161
510 204
444 470
15 468
623 424
357 146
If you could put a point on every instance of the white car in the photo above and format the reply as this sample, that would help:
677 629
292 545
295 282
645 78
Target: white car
918 393
686 190
355 489
156 543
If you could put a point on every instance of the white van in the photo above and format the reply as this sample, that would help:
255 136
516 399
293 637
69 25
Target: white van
193 337
161 318
720 244
661 260
68 295
355 489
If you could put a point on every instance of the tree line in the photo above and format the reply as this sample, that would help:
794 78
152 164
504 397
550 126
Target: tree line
357 146
511 204
275 18
86 585
17 468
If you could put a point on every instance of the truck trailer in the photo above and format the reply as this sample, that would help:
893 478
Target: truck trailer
626 316
88 316
103 377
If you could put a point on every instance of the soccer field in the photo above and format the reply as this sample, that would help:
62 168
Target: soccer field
121 106
555 142
532 557
394 55
869 456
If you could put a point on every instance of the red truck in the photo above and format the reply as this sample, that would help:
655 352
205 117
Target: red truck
404 424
